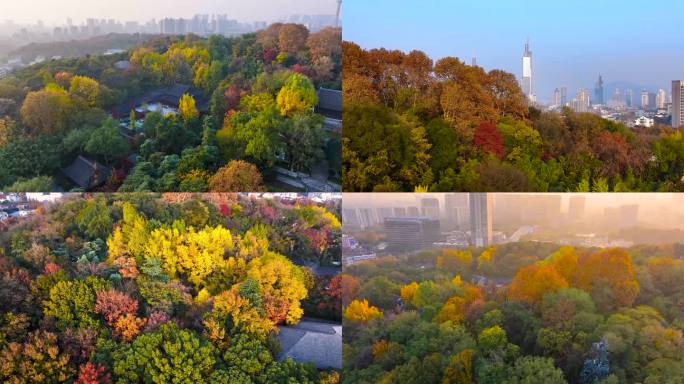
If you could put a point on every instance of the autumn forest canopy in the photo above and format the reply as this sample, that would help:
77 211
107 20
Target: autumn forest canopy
178 288
411 123
516 313
244 105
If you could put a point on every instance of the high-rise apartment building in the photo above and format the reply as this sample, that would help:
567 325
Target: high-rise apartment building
652 100
564 96
557 97
617 98
629 98
456 208
480 219
429 207
660 99
644 99
678 103
411 233
581 102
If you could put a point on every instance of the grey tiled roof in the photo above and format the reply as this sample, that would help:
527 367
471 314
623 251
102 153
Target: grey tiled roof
329 103
314 342
87 173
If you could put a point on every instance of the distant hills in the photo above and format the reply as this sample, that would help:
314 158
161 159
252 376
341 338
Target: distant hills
76 48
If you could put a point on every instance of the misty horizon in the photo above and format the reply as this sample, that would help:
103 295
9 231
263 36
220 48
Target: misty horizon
656 211
51 13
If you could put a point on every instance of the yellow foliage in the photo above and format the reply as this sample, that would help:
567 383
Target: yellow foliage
565 260
280 279
457 281
359 310
453 310
379 348
460 368
244 315
407 291
196 254
202 296
187 108
454 260
486 258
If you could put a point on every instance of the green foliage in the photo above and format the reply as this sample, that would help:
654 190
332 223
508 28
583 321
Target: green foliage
72 303
169 355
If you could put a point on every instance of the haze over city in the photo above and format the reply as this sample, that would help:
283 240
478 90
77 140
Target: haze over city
52 12
632 42
661 211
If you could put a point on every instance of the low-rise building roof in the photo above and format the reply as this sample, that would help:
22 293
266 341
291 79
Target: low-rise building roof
312 341
329 103
87 173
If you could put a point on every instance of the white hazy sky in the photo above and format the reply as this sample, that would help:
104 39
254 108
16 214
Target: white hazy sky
57 11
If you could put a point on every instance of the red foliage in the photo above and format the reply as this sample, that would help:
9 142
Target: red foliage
114 304
306 71
612 149
225 210
488 137
276 309
232 96
270 54
51 268
90 373
318 239
268 213
156 319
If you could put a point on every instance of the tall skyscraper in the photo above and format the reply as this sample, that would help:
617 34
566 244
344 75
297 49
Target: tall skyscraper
564 96
678 103
480 219
429 207
628 98
526 83
644 99
456 208
598 91
556 97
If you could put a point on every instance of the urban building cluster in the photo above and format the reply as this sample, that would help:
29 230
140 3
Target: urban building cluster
463 220
643 108
201 24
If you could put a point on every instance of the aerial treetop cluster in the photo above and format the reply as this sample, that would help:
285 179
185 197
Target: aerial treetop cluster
560 315
159 289
249 108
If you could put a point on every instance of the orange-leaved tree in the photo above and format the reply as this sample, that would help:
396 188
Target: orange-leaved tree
532 282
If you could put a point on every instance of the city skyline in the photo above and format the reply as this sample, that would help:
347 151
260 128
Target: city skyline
570 53
54 14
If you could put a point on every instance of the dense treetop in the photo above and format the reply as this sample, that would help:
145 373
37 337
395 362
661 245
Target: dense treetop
251 101
552 315
157 289
447 126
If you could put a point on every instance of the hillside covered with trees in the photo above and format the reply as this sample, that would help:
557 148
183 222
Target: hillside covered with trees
411 123
240 106
518 313
177 288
